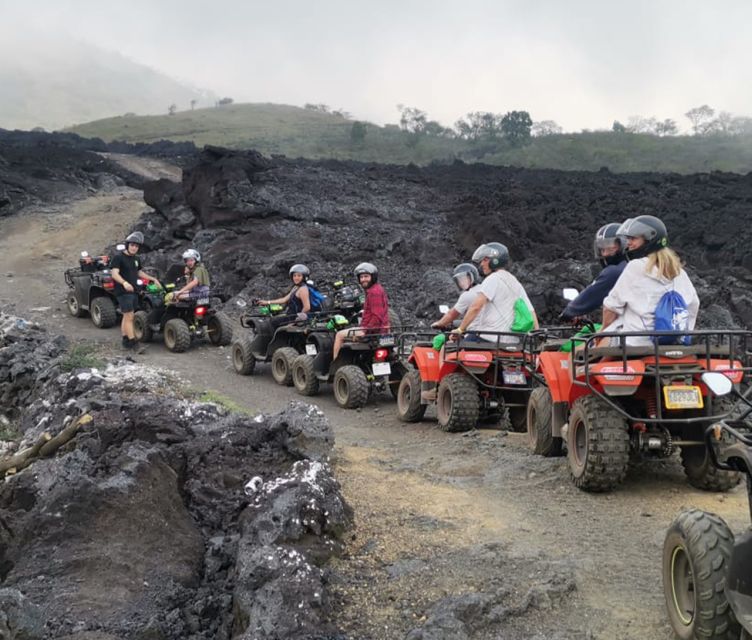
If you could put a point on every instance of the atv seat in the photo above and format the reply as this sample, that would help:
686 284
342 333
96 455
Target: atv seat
668 350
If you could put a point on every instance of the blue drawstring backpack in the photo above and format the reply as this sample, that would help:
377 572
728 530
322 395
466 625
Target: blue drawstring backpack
671 314
316 297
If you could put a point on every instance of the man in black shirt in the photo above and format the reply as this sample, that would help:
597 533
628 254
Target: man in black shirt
126 270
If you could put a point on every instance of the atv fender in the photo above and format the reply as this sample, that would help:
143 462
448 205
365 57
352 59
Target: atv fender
556 369
427 361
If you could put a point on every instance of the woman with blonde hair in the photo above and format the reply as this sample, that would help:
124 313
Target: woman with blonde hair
653 270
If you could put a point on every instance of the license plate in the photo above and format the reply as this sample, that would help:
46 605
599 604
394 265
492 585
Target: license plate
381 368
682 397
386 341
514 377
202 301
311 350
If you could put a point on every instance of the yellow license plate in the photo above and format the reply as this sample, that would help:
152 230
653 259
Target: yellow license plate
682 397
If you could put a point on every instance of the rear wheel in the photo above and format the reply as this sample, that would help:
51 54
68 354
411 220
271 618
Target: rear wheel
696 556
597 445
282 365
103 313
539 422
303 375
219 328
141 328
74 308
703 474
457 403
351 387
177 335
243 360
409 408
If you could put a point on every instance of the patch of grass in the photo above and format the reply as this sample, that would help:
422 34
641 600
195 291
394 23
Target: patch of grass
223 401
81 356
9 431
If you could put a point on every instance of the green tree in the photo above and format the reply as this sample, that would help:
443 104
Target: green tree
172 109
618 127
545 128
358 132
700 117
516 126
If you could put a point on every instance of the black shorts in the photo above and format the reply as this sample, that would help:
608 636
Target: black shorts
127 302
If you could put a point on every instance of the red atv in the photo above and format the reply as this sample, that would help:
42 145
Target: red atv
467 380
609 402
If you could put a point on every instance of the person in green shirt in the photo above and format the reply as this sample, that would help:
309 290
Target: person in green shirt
196 279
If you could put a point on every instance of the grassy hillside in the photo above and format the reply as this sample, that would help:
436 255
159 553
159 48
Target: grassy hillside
294 132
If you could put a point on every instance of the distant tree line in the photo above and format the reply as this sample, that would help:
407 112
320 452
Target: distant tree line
703 120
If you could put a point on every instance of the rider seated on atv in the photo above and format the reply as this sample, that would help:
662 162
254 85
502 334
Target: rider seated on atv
608 247
467 279
652 271
196 276
494 307
298 299
375 308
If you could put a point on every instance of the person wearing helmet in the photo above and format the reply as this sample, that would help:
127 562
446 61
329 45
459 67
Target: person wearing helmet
652 271
126 270
196 279
375 308
608 248
494 307
467 278
298 299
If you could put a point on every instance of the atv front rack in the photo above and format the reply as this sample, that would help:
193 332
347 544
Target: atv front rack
664 362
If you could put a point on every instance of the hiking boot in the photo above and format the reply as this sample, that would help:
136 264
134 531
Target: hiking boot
126 342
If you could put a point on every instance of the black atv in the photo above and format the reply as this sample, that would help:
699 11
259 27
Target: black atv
365 364
265 343
707 575
180 322
92 291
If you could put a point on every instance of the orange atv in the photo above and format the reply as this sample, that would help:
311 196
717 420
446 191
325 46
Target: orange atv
467 380
609 402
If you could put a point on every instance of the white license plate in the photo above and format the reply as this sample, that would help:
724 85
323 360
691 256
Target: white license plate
381 368
386 341
514 377
202 301
311 350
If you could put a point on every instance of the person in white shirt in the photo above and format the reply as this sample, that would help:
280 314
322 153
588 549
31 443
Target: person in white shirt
467 278
653 270
493 308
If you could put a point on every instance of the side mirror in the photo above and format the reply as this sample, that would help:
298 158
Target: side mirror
120 247
717 382
443 308
84 254
241 303
570 293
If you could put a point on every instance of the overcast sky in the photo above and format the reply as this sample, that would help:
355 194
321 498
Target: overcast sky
582 63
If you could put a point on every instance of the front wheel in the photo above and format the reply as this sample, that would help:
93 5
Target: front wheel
243 360
457 403
540 438
103 313
219 328
282 365
351 387
74 307
409 408
696 555
703 474
141 328
597 445
304 376
177 335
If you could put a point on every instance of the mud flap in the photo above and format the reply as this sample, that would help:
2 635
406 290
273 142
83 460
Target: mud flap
559 417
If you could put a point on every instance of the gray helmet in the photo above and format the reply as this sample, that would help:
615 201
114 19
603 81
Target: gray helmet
608 236
497 253
466 269
651 229
191 253
136 238
301 269
367 267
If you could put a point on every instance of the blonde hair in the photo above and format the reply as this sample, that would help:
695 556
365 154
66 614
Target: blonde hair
665 260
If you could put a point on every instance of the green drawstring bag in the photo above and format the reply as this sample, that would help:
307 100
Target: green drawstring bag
523 317
585 331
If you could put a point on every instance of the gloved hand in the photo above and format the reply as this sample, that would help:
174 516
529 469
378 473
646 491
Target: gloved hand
301 317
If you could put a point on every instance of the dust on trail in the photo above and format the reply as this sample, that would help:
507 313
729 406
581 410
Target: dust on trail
436 513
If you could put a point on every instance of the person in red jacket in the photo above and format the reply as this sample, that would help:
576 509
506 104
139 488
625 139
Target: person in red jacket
375 309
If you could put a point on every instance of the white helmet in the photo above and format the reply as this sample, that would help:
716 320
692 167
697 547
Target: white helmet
192 253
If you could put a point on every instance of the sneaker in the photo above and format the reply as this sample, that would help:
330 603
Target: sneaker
126 342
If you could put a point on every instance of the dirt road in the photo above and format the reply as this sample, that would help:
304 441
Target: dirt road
438 515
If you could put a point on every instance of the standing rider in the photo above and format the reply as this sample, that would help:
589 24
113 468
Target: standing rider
375 308
467 279
494 307
608 247
126 270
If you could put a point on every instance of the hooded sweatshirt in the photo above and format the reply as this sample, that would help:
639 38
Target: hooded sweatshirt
636 294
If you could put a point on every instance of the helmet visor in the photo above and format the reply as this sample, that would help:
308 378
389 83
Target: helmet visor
633 228
463 280
483 251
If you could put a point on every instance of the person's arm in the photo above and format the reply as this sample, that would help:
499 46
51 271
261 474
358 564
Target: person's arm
145 276
277 300
472 312
193 282
305 299
591 297
609 316
120 280
447 319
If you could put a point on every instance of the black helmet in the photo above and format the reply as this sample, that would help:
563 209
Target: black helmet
466 269
136 238
300 268
367 267
650 228
497 253
608 236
